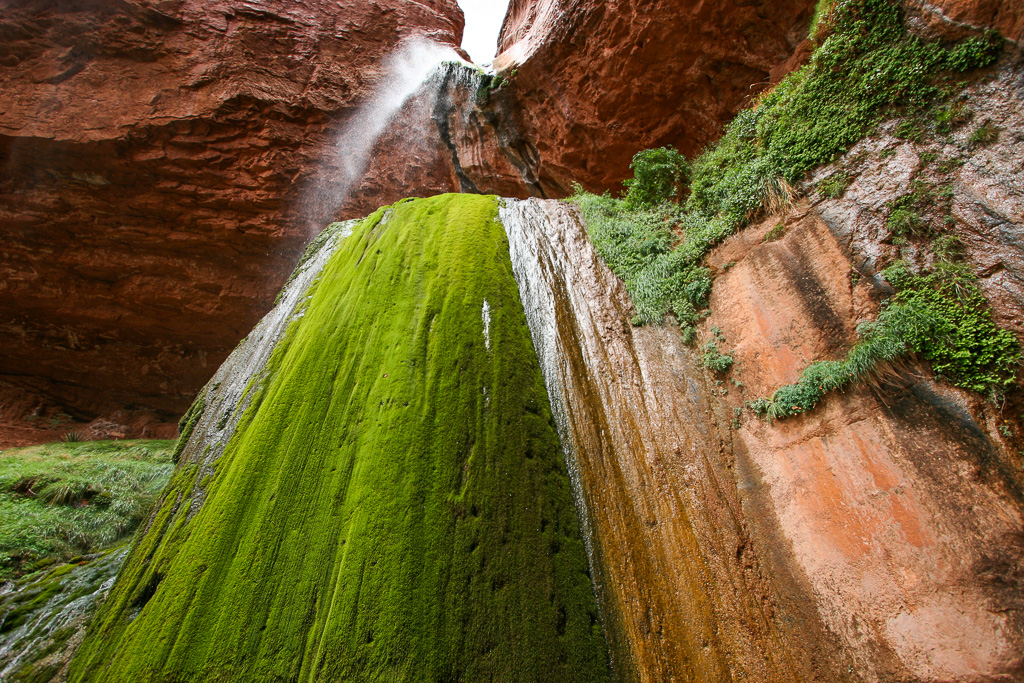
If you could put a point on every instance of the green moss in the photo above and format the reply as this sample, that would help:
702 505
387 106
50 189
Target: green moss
393 505
868 66
62 499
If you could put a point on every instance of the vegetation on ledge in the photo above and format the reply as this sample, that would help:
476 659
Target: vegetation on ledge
64 499
393 505
941 316
867 66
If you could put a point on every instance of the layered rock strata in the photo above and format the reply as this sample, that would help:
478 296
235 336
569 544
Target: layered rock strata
593 82
155 156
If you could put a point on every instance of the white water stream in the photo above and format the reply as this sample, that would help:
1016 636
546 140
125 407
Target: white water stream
405 71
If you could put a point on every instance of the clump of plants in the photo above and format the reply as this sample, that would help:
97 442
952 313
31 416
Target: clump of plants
984 135
713 359
867 67
940 315
777 232
835 185
64 499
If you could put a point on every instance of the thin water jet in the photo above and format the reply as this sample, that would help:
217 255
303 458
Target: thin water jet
405 73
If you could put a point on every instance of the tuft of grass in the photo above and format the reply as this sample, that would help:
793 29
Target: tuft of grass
394 503
64 499
777 232
950 116
73 436
866 67
984 135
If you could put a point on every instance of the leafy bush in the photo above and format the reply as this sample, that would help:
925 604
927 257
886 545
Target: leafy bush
64 499
659 175
866 67
835 185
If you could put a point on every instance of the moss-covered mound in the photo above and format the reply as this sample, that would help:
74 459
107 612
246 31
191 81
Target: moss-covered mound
392 506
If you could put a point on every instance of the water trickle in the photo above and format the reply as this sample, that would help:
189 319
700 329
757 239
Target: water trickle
405 72
485 315
57 607
634 427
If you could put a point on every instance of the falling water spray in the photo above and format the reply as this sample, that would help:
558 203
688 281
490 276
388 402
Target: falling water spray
406 70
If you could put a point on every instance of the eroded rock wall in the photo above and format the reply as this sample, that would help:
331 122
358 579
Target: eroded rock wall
154 157
596 81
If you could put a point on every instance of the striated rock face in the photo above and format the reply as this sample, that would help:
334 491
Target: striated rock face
154 157
834 546
596 81
905 570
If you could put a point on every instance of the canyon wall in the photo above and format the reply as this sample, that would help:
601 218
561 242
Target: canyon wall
593 82
155 159
874 539
163 160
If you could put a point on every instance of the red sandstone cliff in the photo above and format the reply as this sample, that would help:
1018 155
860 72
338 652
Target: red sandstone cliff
596 81
153 156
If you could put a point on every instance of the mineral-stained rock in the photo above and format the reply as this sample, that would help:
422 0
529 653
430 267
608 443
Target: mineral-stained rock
1005 16
154 156
874 539
594 82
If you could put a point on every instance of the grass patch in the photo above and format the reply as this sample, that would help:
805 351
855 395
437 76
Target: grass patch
394 503
63 499
984 135
867 66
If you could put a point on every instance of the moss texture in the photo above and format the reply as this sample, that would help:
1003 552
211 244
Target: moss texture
394 504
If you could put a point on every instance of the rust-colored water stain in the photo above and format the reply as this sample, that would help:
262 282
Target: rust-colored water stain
861 542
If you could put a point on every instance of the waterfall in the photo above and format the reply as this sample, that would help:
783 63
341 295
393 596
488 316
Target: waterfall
405 72
65 598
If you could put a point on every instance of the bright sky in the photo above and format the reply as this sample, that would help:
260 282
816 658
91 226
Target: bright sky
483 23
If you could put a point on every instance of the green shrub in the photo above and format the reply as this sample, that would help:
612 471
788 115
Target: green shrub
941 316
867 66
659 175
713 359
835 185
